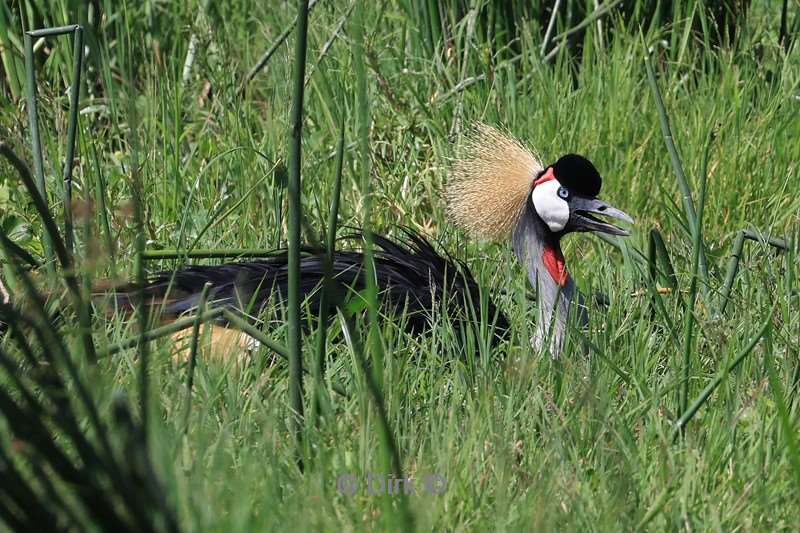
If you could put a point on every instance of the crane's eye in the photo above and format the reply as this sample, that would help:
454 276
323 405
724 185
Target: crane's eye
563 193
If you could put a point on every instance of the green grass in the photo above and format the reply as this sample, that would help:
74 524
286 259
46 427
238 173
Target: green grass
581 443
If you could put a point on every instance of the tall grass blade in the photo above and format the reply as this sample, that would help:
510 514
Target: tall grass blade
374 375
264 59
701 399
785 415
328 280
388 442
65 258
688 332
661 257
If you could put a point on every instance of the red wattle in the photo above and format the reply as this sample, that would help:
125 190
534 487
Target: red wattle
547 176
554 262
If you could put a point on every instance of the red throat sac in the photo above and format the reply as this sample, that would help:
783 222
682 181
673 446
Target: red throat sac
554 262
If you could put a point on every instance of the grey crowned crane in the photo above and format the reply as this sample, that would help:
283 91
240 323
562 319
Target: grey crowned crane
498 189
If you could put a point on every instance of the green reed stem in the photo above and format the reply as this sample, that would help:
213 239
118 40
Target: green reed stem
733 269
36 143
736 256
295 215
677 166
74 93
205 253
162 331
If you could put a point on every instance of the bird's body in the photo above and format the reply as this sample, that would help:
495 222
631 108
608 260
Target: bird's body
412 278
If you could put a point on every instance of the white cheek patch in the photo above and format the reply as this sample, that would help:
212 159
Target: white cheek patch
549 206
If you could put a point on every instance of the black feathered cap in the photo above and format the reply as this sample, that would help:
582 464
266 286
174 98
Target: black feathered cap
578 174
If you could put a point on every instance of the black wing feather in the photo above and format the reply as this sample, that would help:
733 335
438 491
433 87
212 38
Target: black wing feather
411 276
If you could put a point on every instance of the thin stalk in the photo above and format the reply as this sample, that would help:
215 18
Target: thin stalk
328 281
52 32
264 59
295 215
201 308
736 256
752 235
701 201
706 393
677 166
205 253
329 43
363 121
143 347
162 331
550 25
74 93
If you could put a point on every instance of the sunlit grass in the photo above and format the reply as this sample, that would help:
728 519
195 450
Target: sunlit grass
522 440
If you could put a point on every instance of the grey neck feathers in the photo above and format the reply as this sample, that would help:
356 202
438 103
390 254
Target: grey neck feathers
530 239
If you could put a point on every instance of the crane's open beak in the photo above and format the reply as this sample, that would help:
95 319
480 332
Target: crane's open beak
582 209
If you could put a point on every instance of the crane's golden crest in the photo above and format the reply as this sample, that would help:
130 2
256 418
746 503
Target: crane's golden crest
489 182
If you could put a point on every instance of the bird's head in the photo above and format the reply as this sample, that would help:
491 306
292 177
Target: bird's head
565 196
496 178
